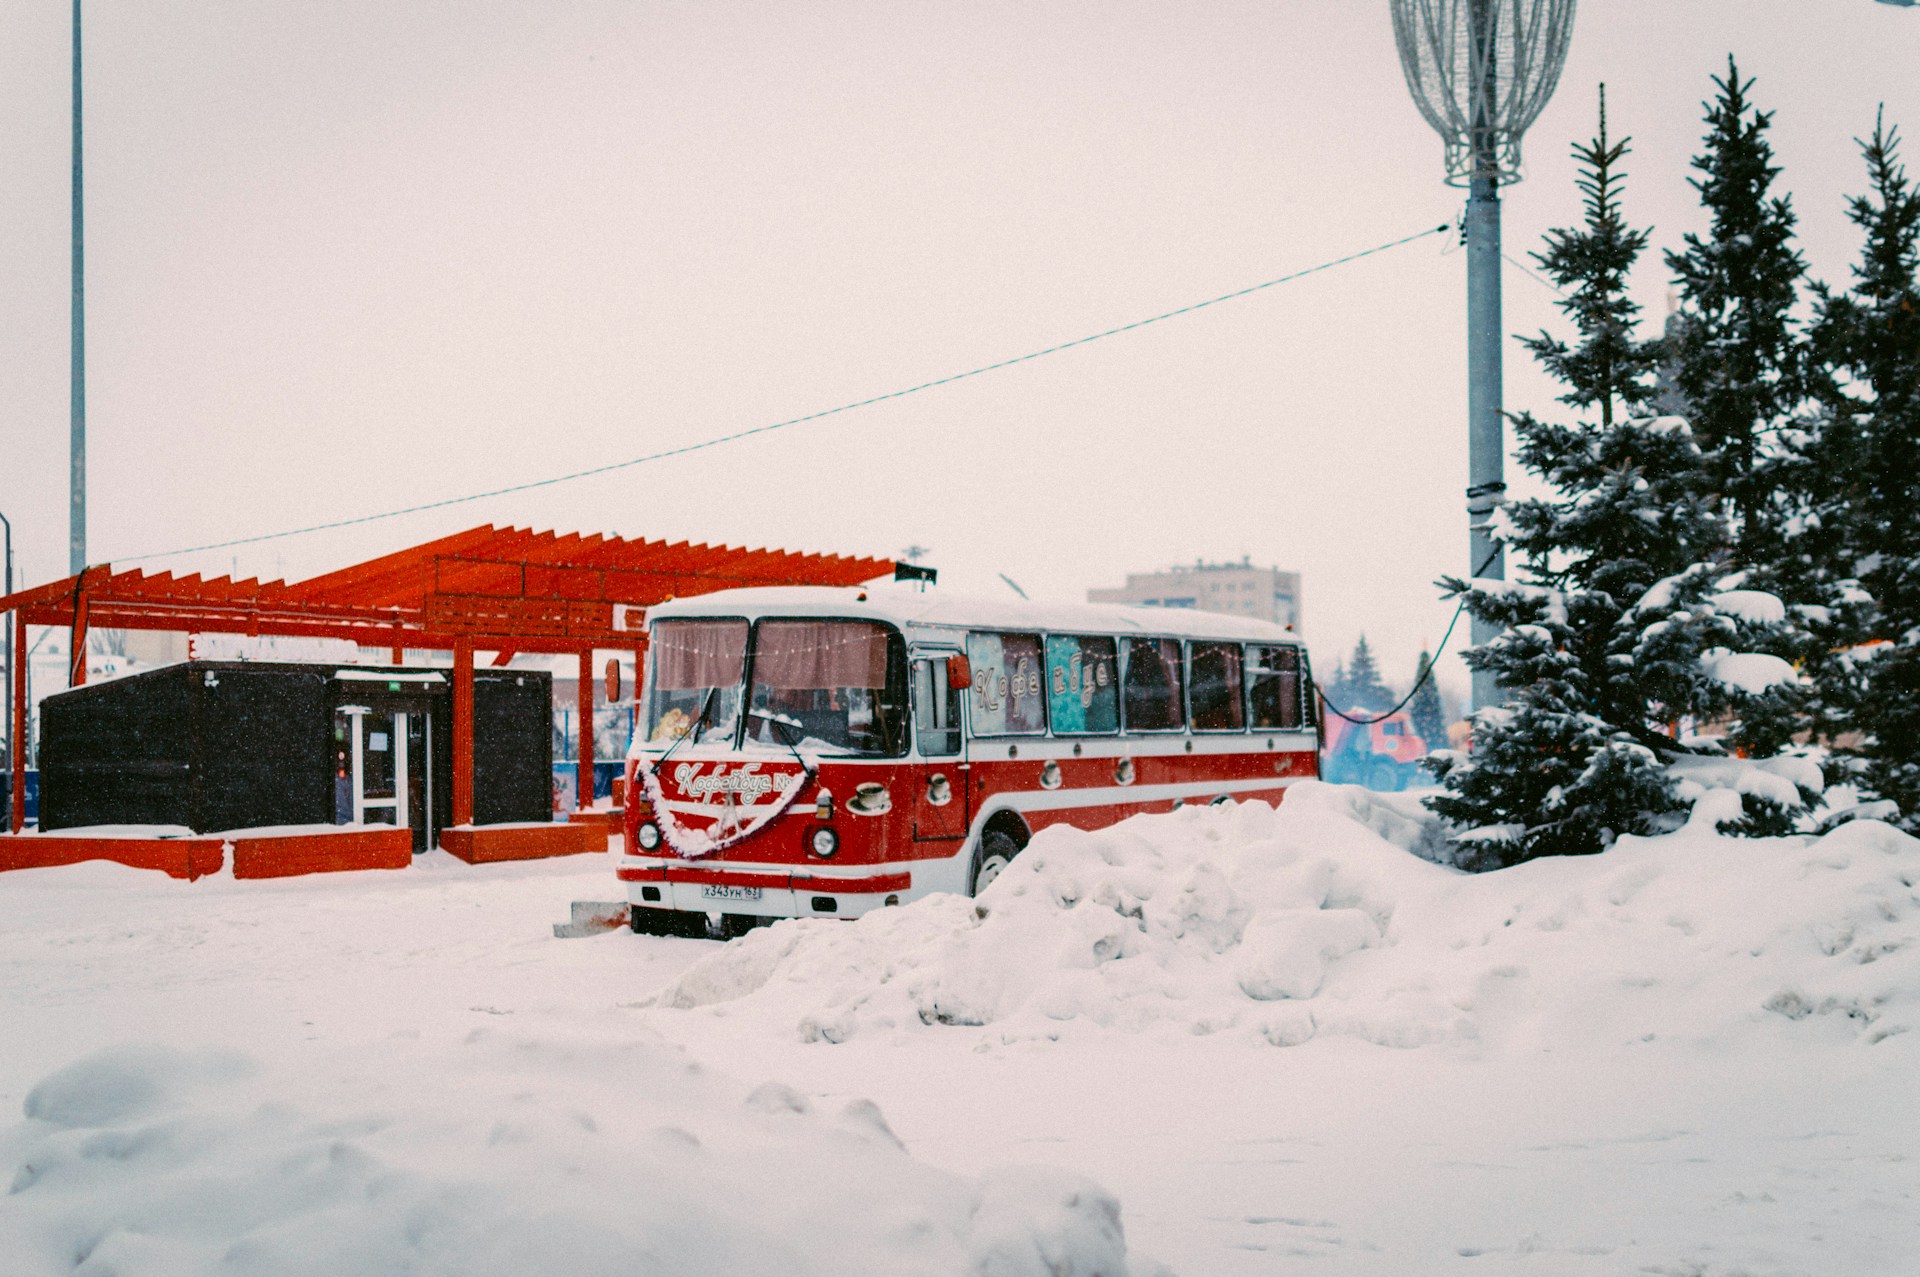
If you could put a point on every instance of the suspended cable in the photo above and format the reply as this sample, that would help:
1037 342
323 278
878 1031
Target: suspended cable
793 421
1418 683
1526 269
1425 674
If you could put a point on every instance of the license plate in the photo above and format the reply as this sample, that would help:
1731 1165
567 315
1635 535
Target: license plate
710 892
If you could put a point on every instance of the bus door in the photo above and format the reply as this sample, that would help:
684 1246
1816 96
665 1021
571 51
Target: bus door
942 804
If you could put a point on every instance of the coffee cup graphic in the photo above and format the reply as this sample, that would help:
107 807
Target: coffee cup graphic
870 799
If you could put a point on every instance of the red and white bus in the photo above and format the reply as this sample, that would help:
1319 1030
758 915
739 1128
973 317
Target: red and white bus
823 752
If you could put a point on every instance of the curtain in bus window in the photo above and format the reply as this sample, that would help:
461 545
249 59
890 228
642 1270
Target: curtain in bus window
1083 694
1273 678
695 667
1215 673
1153 686
827 686
1008 699
690 654
820 654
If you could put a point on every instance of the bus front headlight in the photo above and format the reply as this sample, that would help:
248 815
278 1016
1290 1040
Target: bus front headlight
648 836
824 842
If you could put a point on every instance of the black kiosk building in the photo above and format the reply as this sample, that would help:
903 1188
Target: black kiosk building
219 745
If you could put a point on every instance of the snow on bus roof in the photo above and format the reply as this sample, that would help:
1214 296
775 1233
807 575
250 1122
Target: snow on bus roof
907 605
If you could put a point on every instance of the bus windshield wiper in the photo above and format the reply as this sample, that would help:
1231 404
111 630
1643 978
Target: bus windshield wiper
780 723
706 708
706 714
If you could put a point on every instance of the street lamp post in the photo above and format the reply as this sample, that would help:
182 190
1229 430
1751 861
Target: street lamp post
1481 71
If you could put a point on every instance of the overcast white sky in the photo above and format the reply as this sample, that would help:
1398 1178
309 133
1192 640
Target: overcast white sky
355 255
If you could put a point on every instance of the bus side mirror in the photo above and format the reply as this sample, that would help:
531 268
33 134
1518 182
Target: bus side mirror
959 673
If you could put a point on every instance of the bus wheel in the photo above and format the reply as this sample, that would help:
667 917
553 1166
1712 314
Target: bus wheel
665 922
731 926
995 852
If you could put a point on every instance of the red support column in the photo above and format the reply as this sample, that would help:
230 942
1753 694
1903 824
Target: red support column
583 744
639 681
17 695
639 673
77 644
463 732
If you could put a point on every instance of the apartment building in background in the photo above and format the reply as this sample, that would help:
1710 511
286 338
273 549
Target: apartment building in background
1240 589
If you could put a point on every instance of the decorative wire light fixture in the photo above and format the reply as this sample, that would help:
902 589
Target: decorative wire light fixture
1481 71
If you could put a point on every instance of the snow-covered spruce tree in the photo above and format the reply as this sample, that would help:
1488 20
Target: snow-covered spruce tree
1429 717
1624 627
1335 684
1361 688
1737 360
1891 723
1858 467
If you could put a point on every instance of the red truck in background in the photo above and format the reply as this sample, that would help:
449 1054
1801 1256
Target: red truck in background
1382 756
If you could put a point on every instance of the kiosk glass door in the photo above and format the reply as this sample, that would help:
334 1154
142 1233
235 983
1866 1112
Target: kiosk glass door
382 769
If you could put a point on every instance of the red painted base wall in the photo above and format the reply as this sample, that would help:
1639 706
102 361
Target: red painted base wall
176 857
484 844
268 856
287 855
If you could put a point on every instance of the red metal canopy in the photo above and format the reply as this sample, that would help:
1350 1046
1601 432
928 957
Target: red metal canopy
490 589
530 591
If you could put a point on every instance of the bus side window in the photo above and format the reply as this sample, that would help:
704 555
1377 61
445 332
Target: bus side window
936 709
1276 688
1214 687
1009 695
1083 687
1153 695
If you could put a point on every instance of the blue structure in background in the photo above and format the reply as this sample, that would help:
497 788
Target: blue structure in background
33 794
604 774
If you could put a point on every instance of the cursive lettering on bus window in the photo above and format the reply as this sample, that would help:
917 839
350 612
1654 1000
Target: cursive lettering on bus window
1008 689
1082 685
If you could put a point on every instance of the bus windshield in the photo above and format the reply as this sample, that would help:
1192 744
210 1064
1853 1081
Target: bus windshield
828 687
696 667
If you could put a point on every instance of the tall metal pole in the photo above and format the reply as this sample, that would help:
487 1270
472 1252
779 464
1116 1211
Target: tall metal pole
77 511
6 555
1486 441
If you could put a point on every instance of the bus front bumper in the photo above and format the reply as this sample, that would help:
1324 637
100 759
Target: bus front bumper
773 891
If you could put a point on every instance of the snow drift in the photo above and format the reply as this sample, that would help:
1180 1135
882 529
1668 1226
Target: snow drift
1314 920
504 1155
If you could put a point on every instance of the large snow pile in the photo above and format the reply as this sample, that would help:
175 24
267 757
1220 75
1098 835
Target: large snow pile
1314 920
503 1154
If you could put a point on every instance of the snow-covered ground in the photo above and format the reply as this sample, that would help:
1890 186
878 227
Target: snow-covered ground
1278 1041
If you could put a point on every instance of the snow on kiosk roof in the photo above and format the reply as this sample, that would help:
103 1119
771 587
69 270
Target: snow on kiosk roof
503 590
